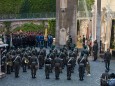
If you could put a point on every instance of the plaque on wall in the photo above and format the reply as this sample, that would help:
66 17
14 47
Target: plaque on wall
63 36
63 4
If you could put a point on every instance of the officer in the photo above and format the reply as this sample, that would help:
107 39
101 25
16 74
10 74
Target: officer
34 65
104 78
82 64
47 67
17 62
107 58
57 63
95 50
69 68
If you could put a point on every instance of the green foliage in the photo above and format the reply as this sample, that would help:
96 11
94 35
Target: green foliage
52 27
89 4
30 27
27 6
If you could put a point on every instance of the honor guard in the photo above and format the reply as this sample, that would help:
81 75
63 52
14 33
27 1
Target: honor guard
25 62
47 67
17 62
69 69
3 64
81 63
41 58
8 63
57 63
34 65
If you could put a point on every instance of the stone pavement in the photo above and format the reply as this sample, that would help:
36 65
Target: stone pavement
25 78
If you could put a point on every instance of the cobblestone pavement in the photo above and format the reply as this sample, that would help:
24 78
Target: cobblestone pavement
25 78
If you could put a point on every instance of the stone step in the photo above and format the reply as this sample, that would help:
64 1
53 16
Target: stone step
2 75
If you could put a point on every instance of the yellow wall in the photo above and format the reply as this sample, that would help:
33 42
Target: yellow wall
112 4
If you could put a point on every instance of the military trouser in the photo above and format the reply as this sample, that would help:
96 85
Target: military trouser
68 71
33 71
24 66
81 73
57 72
17 67
47 70
3 68
12 68
8 69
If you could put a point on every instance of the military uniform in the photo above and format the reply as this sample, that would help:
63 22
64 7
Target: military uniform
82 64
57 67
17 63
69 69
34 65
47 67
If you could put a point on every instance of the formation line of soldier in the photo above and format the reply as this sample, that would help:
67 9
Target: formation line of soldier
54 61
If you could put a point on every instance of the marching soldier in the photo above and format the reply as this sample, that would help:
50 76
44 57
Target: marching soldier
57 67
41 58
34 65
69 69
17 62
82 64
8 64
52 56
47 67
25 62
3 65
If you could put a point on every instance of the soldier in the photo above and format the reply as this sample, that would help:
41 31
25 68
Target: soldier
69 69
41 58
3 65
104 78
25 62
52 56
17 62
8 63
47 67
57 62
95 50
82 64
34 65
107 58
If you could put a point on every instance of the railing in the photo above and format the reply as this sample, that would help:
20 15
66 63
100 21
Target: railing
82 14
27 15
